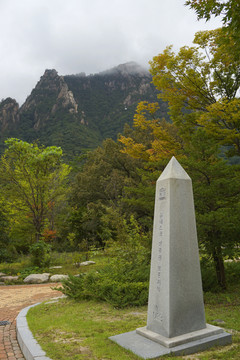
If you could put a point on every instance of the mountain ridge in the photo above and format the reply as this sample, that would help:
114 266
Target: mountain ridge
79 111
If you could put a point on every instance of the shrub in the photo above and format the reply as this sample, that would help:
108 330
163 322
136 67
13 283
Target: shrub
7 255
232 272
40 252
29 270
121 294
99 287
124 280
209 279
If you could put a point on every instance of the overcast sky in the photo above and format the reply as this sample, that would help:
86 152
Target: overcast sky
90 36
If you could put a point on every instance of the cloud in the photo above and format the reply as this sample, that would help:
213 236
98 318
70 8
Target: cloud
91 36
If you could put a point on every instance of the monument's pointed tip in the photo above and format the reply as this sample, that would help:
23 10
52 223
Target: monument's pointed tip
174 170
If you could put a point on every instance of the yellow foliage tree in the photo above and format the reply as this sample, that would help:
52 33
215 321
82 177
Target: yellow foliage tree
152 139
201 84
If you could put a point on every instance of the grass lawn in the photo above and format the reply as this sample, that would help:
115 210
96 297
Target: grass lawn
80 330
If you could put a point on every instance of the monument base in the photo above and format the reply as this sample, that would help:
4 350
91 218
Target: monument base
150 348
182 339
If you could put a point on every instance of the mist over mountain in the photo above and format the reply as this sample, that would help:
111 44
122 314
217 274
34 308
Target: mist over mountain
78 112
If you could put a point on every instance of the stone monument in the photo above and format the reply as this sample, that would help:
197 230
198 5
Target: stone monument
176 320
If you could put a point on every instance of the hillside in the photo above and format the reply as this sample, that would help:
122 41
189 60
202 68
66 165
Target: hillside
78 112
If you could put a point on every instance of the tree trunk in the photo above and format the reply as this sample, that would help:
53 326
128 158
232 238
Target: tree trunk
38 224
219 267
37 236
38 228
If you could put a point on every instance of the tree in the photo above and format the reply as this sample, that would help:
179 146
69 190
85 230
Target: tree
216 184
153 141
32 179
103 177
202 89
217 197
98 190
7 251
200 84
229 10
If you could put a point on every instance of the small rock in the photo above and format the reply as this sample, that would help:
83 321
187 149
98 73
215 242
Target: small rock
52 302
56 299
56 267
219 321
9 278
56 278
85 263
37 278
2 274
136 313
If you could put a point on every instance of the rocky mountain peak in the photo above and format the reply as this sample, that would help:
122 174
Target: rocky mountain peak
78 111
8 113
50 94
50 73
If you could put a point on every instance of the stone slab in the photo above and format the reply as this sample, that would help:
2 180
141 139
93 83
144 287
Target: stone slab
210 330
28 344
148 349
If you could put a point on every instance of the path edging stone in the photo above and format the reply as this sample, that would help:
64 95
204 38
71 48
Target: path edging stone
28 344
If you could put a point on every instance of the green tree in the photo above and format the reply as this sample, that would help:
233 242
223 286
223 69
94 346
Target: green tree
97 194
217 198
153 141
32 180
7 251
104 175
229 11
216 183
200 84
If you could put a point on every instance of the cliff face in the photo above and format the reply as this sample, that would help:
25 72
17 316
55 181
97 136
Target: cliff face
108 100
77 111
9 114
50 94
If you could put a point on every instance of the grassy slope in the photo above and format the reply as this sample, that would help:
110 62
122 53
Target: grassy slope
81 330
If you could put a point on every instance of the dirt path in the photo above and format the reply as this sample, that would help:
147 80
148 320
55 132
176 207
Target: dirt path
12 300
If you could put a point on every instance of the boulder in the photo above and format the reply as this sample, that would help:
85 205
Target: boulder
36 278
58 277
2 274
9 278
85 263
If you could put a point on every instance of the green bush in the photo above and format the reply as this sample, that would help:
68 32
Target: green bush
232 272
209 279
7 255
28 271
99 287
124 280
121 294
40 253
